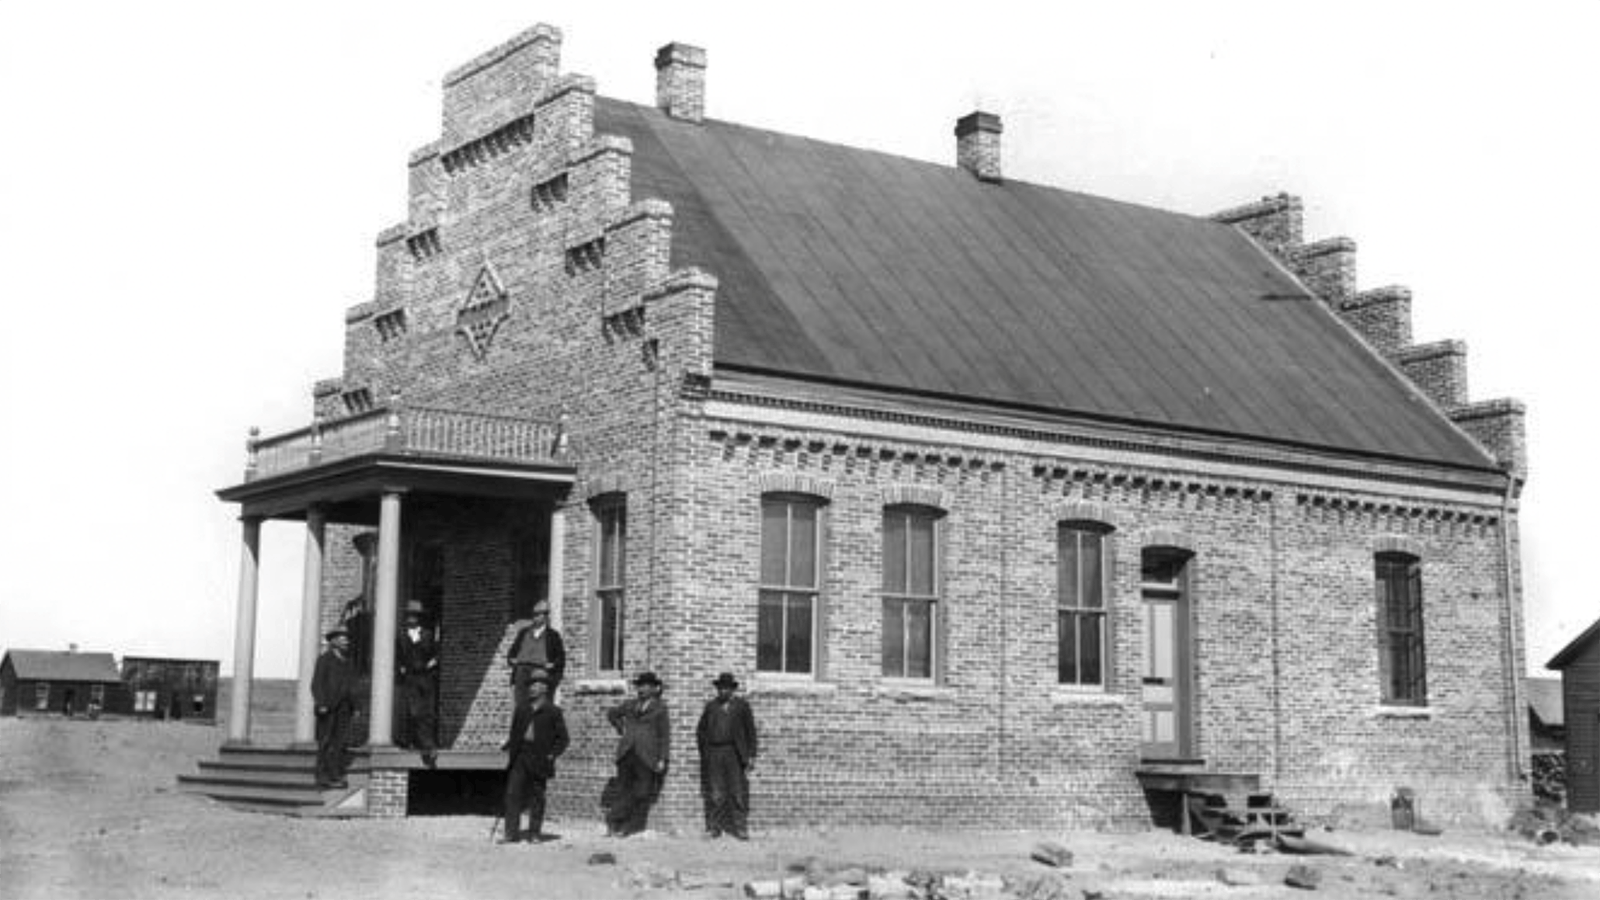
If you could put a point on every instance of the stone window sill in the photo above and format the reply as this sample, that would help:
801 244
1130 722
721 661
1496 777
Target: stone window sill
1403 712
1067 696
600 686
790 684
912 689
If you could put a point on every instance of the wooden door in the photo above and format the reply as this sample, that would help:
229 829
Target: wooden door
1165 710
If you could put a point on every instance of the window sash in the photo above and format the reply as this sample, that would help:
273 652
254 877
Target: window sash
786 622
908 645
611 520
41 695
611 629
613 540
1401 643
787 608
1082 644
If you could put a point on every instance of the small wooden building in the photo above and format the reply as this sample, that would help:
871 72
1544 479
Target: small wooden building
1579 665
160 688
59 682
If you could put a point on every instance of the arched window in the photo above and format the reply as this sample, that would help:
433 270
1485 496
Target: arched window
910 591
791 579
611 552
1082 642
1402 661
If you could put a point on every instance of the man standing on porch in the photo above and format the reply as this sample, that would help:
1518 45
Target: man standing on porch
333 690
537 648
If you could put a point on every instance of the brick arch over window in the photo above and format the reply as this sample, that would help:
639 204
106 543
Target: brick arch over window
603 484
794 483
915 495
1085 511
1168 537
1397 543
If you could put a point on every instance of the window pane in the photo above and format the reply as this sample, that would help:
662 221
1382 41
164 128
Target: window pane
894 627
610 631
1067 648
797 634
1067 588
894 552
919 639
1089 648
769 633
802 545
1089 594
774 541
921 552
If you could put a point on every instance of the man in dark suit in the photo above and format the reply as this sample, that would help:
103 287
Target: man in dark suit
538 736
644 740
726 737
333 693
416 668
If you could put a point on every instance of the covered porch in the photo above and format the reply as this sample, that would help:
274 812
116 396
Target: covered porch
375 471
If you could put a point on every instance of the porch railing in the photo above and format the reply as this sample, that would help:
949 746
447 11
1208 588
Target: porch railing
413 430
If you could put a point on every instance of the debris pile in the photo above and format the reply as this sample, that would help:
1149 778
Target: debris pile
812 879
1548 824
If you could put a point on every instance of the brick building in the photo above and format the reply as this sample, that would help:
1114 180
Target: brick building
998 497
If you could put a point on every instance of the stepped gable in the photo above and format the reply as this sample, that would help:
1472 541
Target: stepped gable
862 268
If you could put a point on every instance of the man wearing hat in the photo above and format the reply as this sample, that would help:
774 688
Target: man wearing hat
644 738
538 736
333 694
416 668
726 737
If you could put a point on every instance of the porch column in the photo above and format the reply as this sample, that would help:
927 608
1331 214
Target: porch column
556 569
244 631
381 732
305 713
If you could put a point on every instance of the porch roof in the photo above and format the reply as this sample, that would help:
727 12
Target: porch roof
348 489
344 465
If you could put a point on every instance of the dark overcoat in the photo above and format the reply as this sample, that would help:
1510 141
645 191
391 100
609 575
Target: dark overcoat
647 733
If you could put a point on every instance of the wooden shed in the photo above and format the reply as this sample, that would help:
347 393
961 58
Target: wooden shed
163 688
1579 665
59 682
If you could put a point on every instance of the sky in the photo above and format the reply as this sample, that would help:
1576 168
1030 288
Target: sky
192 191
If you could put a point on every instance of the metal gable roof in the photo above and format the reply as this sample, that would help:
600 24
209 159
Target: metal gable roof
61 665
863 268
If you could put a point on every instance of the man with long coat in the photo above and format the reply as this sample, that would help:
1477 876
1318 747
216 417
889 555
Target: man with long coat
644 738
726 737
333 694
538 736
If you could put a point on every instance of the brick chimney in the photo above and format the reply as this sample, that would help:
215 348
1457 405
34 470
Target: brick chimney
978 145
681 81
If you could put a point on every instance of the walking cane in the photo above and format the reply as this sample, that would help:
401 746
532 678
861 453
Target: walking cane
494 829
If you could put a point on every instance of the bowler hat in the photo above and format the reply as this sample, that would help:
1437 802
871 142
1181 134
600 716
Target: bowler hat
341 631
726 680
646 678
414 609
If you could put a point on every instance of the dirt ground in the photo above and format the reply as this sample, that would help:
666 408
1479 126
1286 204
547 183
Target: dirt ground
91 810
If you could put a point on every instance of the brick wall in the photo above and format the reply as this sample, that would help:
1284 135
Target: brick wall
1439 369
532 220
